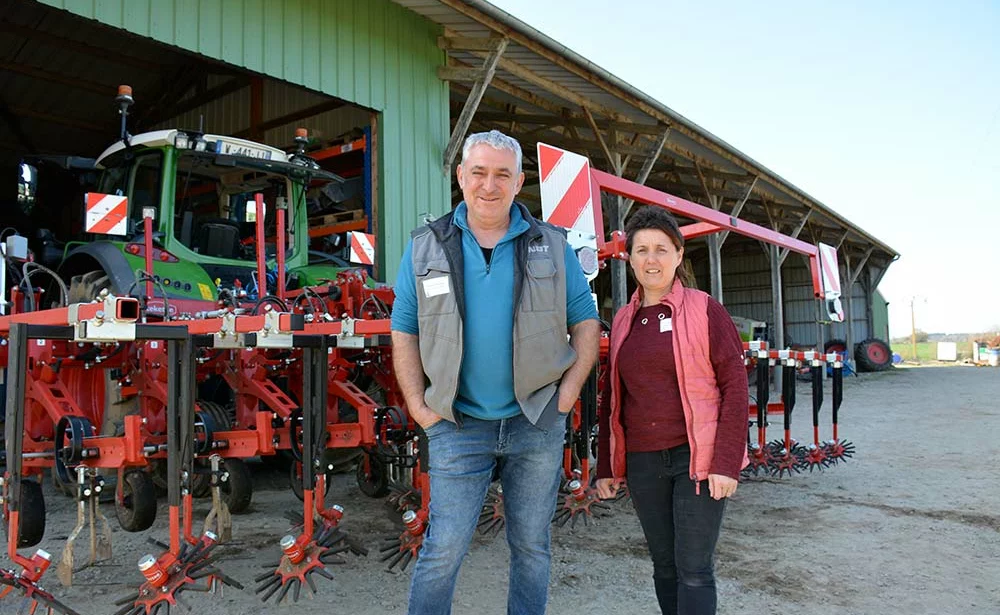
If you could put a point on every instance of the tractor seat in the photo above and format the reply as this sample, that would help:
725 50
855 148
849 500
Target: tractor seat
218 237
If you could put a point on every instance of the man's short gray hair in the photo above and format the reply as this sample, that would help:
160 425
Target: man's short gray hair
496 140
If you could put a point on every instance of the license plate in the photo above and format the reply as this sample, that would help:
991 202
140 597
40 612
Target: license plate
237 149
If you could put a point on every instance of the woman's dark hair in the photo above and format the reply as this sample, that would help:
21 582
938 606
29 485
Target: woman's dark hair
659 219
653 218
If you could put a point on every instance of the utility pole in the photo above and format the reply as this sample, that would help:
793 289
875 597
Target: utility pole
913 329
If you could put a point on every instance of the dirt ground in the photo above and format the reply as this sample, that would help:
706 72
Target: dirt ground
911 525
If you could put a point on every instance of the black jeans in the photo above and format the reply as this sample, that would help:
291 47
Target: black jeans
681 529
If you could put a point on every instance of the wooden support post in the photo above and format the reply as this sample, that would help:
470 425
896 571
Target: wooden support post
472 104
846 297
715 266
735 213
777 309
795 235
619 280
647 168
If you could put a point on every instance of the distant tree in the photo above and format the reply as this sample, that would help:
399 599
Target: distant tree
921 336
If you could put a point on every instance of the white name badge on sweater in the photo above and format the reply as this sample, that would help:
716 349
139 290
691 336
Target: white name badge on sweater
436 286
666 324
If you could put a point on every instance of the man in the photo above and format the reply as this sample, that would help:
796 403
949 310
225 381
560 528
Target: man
484 299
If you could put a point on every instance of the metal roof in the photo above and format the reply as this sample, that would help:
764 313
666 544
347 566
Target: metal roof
555 90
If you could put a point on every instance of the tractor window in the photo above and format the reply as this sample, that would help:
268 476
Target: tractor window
210 214
145 188
139 179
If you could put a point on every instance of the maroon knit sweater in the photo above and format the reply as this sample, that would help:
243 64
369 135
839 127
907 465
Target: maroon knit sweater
652 414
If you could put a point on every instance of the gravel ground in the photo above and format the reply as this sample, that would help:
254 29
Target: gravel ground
911 525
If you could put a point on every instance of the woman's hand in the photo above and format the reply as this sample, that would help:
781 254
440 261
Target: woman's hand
720 486
607 488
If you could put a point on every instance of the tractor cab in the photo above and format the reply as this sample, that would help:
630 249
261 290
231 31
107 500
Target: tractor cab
200 190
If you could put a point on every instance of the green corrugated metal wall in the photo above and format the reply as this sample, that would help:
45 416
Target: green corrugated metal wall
370 52
880 317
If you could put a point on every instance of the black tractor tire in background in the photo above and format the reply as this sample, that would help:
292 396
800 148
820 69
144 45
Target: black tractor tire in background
835 345
137 510
873 355
32 519
85 288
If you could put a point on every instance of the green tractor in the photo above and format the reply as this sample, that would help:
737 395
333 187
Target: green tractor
199 189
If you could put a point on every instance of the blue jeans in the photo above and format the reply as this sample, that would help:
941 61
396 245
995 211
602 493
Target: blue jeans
462 460
681 529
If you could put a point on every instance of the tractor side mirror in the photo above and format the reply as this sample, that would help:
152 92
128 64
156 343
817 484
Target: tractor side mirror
27 184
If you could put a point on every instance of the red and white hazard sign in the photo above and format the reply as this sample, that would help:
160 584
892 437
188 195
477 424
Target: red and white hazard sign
829 272
566 191
106 214
362 248
829 269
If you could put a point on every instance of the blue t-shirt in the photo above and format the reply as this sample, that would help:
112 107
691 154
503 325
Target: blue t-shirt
486 377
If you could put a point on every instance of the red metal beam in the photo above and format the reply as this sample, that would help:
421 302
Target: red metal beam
688 209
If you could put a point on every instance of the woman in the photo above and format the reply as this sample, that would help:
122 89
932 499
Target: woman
673 419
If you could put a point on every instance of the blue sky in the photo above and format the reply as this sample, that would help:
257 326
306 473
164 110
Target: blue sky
887 112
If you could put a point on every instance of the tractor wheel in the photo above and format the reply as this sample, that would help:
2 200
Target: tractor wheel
873 355
237 491
375 482
137 509
835 345
31 526
85 288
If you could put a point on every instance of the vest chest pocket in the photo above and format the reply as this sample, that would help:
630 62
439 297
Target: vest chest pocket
435 289
540 285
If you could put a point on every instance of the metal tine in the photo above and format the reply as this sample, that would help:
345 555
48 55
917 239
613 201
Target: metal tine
157 543
126 610
407 558
265 585
284 591
323 572
392 559
130 598
271 566
208 561
390 548
356 547
312 586
228 580
331 557
296 587
264 576
273 590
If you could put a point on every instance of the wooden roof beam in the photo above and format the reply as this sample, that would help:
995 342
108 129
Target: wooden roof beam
479 86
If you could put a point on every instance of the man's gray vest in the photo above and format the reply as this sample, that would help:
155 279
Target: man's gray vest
542 353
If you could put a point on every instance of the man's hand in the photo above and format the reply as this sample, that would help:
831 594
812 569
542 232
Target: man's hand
720 486
424 416
607 488
567 399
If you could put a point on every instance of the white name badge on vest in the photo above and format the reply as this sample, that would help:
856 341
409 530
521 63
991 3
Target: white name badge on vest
666 324
436 286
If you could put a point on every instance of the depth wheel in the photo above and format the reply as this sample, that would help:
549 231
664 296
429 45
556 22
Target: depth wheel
136 510
31 524
237 490
375 482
